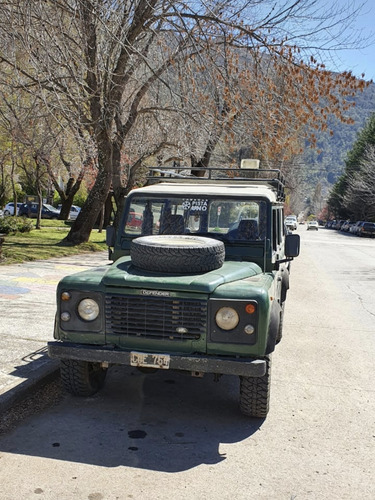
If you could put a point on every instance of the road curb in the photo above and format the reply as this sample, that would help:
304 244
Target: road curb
45 374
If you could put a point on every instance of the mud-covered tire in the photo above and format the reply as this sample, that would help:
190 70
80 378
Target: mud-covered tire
81 378
177 253
255 394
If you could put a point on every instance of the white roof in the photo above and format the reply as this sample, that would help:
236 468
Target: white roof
210 189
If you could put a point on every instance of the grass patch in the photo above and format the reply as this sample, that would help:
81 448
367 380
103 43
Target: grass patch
46 243
54 223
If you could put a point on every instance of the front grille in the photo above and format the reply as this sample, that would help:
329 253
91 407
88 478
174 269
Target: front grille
155 317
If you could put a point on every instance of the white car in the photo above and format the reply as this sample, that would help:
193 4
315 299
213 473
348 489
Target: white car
9 208
74 211
312 224
291 222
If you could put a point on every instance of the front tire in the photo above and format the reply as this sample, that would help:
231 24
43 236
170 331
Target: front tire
255 393
82 378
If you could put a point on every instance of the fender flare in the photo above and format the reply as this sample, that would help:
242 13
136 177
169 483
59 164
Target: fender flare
273 327
284 284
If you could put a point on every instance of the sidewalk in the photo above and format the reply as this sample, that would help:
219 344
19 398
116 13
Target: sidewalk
27 311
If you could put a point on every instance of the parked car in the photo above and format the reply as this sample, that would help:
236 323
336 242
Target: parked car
339 223
74 211
31 210
354 229
346 226
331 224
312 224
367 229
134 220
9 208
208 302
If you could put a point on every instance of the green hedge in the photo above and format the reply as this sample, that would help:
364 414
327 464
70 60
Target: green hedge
10 224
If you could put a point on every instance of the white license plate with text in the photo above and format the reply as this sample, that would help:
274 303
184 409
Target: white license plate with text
150 360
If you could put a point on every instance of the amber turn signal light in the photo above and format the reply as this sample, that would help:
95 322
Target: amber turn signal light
250 308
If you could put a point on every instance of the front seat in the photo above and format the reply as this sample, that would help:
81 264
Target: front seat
247 230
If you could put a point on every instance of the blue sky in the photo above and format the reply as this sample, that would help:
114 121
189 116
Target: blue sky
361 60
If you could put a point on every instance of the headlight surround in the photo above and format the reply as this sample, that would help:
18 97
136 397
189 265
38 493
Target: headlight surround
227 318
88 309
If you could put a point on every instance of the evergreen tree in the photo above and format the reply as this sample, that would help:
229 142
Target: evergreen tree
356 161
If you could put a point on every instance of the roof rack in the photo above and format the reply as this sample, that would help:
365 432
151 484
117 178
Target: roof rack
271 178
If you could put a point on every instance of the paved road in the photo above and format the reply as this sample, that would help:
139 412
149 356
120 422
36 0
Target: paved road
27 309
169 435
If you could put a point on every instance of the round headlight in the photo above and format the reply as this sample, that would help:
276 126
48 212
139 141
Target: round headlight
227 318
88 309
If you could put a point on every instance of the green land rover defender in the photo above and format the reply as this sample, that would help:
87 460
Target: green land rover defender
198 283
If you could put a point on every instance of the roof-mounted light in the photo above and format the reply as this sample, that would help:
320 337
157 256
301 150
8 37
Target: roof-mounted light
247 163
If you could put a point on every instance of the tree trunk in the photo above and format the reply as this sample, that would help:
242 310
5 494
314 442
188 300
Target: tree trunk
81 229
13 188
120 191
199 167
40 203
65 209
67 202
108 209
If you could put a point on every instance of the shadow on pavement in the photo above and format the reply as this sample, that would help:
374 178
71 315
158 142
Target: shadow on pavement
165 421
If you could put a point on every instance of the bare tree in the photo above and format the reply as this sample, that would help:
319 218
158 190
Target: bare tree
77 158
4 173
359 198
96 62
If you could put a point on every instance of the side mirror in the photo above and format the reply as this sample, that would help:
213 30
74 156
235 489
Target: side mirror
292 245
110 236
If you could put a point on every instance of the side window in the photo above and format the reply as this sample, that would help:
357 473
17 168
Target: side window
275 226
282 223
280 226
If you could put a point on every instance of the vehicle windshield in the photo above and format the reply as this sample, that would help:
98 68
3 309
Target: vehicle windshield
229 220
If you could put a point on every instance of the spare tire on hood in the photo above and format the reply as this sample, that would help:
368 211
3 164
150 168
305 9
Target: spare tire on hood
177 253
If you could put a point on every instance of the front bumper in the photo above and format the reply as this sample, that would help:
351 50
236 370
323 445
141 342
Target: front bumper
247 367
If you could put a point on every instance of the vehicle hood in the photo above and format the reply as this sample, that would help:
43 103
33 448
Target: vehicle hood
123 274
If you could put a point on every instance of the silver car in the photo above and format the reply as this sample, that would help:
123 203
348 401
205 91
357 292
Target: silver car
291 222
312 224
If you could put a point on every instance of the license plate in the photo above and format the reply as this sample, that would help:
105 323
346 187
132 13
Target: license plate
150 360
